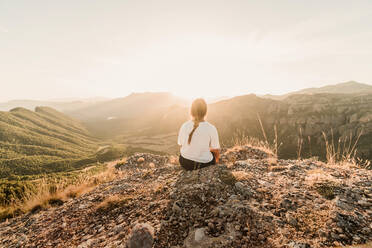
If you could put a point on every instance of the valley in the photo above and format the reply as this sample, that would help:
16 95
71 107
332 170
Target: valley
48 144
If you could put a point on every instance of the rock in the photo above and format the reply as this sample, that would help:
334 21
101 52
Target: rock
343 205
87 243
239 186
117 229
176 208
364 203
140 160
357 239
286 204
243 190
294 244
199 234
145 160
141 236
291 220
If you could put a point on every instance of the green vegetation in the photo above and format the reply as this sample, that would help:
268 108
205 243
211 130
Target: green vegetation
327 190
21 194
43 141
45 148
38 145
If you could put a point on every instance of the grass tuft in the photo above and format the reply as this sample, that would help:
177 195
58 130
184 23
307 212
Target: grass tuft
55 193
327 190
112 202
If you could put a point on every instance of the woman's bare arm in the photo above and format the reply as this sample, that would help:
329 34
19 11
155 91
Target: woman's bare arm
216 153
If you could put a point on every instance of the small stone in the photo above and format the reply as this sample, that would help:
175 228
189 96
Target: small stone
210 225
343 205
261 237
364 203
140 160
294 244
335 236
176 208
290 219
101 229
141 236
357 239
199 234
117 229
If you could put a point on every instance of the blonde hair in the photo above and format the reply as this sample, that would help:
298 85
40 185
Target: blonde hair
198 111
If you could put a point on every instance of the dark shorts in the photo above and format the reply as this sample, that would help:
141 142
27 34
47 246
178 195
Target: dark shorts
188 164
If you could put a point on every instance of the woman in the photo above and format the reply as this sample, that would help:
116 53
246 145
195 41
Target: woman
198 139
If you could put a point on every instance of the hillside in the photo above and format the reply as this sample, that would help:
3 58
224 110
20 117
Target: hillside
133 106
249 200
58 104
42 141
298 118
350 87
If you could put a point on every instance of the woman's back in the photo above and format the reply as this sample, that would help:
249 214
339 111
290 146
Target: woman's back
204 138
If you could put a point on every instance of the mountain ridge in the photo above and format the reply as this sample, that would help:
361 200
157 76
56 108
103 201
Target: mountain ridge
68 105
349 87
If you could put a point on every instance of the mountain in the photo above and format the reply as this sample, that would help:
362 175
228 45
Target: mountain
68 104
298 118
42 141
133 106
78 99
250 199
128 114
350 87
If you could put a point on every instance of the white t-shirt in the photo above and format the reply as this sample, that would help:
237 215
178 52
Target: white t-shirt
204 138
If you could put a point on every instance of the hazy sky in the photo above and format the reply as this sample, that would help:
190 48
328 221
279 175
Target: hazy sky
75 48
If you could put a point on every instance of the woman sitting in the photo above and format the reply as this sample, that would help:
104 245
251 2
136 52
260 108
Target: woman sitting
198 139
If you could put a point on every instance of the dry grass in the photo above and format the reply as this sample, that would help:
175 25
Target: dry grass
158 188
242 175
272 160
300 142
114 201
242 140
109 203
319 175
55 194
342 152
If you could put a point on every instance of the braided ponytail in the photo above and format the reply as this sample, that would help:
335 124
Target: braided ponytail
198 112
196 124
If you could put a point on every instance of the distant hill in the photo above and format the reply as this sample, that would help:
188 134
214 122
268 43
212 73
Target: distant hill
68 104
298 117
350 87
146 118
41 142
135 105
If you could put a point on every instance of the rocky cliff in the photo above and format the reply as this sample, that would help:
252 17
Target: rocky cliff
343 115
299 117
249 200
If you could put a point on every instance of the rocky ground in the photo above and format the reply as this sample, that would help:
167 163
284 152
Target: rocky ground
249 200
